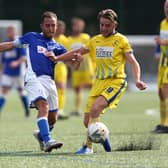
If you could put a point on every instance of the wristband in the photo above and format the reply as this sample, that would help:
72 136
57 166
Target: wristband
17 43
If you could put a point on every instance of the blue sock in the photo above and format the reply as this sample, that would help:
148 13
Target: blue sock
50 128
42 123
40 137
25 104
2 102
107 146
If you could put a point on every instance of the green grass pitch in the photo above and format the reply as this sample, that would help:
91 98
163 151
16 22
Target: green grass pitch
133 144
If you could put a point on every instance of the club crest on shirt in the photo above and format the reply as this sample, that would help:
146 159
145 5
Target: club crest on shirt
104 52
41 49
109 90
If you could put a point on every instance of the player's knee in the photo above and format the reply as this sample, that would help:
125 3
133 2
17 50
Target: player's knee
5 91
163 92
95 110
42 107
60 85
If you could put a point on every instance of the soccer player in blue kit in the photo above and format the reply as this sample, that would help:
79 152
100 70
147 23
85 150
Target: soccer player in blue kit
39 82
13 62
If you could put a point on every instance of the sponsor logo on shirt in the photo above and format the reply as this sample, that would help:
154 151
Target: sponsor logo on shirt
109 90
41 49
104 52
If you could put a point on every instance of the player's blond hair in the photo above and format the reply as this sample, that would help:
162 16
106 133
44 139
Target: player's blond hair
48 14
108 14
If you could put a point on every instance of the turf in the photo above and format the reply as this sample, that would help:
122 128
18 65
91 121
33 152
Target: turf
133 144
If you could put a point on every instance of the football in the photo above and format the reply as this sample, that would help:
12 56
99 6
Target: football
98 132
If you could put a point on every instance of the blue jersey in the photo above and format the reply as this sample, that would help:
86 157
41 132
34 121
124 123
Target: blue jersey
38 45
8 57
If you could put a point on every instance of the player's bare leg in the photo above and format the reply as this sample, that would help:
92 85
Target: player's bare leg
92 117
52 119
163 95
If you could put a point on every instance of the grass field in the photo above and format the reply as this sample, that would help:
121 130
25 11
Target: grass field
129 125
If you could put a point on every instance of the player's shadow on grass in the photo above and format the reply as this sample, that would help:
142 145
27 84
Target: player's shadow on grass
33 154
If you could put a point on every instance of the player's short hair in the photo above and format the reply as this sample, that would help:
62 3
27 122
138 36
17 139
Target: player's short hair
61 23
48 14
11 27
77 19
108 14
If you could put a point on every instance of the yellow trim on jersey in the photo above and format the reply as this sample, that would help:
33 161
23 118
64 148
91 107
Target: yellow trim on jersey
110 55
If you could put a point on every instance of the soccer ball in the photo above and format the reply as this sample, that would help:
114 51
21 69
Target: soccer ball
98 132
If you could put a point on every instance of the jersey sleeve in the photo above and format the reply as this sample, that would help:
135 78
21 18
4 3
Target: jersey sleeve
126 46
60 50
88 45
26 39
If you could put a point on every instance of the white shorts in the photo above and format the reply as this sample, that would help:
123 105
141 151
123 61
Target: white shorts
12 82
42 87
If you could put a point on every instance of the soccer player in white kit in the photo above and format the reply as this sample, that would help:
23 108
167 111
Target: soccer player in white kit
39 82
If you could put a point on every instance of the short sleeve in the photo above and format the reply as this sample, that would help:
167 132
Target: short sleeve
126 46
60 50
26 39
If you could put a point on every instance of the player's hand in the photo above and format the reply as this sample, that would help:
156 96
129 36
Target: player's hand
157 40
14 64
78 57
141 85
74 64
50 55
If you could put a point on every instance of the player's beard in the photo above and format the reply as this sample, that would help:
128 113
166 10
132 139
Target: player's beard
49 35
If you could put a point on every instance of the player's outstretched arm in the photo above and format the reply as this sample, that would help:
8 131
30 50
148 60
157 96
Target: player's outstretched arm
136 71
160 41
68 56
6 46
16 63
